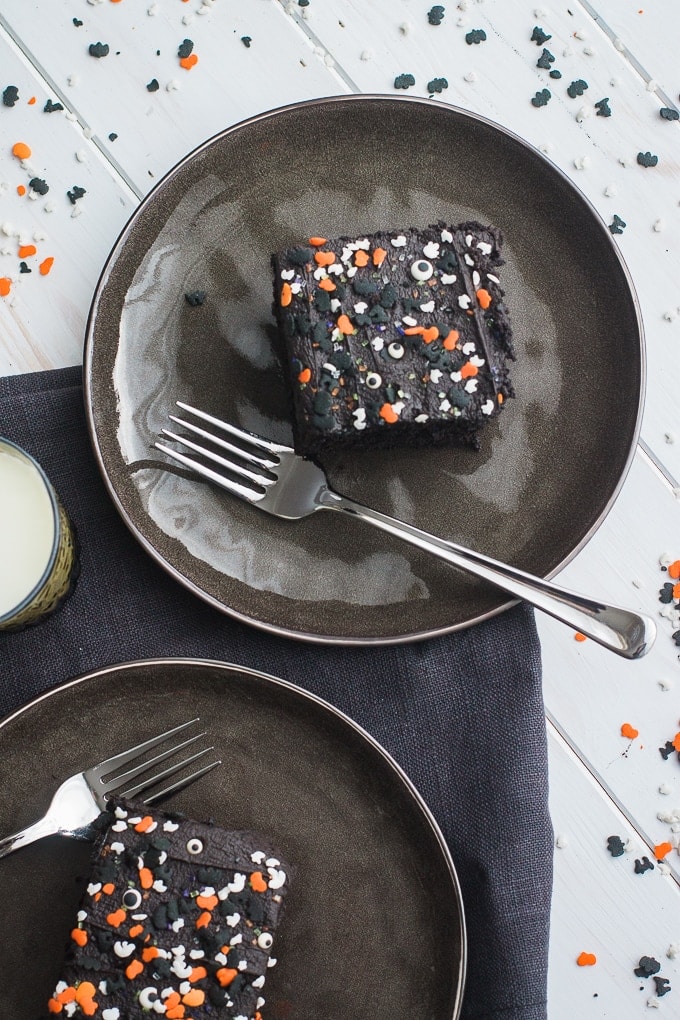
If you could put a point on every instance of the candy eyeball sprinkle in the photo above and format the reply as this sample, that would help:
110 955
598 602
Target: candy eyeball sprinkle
131 899
265 940
194 846
396 351
373 380
421 270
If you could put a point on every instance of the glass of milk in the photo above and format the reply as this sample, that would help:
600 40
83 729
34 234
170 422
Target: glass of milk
38 560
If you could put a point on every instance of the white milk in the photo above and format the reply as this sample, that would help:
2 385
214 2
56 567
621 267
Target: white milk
26 528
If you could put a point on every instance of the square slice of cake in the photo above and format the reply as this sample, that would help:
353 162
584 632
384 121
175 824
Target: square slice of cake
178 920
394 338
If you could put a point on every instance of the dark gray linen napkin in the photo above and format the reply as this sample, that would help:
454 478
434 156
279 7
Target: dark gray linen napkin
462 714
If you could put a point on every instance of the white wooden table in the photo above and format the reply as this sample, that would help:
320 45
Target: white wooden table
115 139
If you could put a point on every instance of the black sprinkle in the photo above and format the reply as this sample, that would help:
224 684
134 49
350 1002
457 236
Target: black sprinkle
437 85
303 3
668 114
98 49
10 95
663 986
404 81
647 159
545 60
539 36
542 98
195 298
37 184
477 35
647 966
23 268
153 85
77 22
644 865
435 15
615 846
676 637
667 750
577 88
75 193
51 107
555 73
603 109
617 225
185 48
246 40
113 136
666 593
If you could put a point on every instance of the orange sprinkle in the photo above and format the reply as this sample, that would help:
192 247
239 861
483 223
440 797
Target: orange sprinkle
149 954
327 284
676 741
257 881
225 975
68 995
204 919
379 256
501 398
31 101
388 414
676 590
188 62
145 878
344 324
360 258
324 258
317 242
305 375
116 918
197 974
5 286
483 297
147 820
21 150
578 636
430 334
85 998
194 997
468 371
449 342
26 249
629 731
134 969
175 1012
21 190
54 1007
674 570
46 265
207 902
661 849
586 959
173 999
108 888
286 294
79 936
135 930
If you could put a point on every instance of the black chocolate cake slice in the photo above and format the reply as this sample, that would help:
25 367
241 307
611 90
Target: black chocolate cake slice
178 921
394 338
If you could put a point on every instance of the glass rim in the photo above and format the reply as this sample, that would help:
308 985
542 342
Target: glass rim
26 601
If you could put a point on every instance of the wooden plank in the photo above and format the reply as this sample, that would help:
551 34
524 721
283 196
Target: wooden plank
601 906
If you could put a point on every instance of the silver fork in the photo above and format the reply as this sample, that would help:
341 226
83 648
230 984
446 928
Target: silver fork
276 479
81 798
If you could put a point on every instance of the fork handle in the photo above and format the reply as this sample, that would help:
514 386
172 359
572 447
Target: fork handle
43 827
628 634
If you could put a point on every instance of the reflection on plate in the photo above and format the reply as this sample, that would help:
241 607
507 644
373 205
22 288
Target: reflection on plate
373 927
549 467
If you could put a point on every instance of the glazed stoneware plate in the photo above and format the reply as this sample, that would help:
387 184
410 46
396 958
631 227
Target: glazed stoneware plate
373 927
549 467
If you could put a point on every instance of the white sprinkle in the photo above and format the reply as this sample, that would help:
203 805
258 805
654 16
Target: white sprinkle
170 826
77 210
421 418
487 407
336 303
464 301
431 250
471 386
494 279
286 274
112 1013
296 287
123 949
652 85
669 315
610 190
476 279
70 115
561 841
408 320
625 161
435 375
153 10
582 162
665 559
187 19
619 45
581 34
546 147
669 437
405 27
366 55
446 235
654 1002
665 684
476 360
427 307
359 423
469 261
589 51
82 915
398 242
117 847
448 278
119 826
567 51
172 86
93 888
238 883
665 789
277 878
470 76
39 235
73 80
469 348
582 113
673 951
658 226
236 940
258 982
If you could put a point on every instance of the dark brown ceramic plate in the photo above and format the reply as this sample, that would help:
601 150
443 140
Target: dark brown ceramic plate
549 467
373 927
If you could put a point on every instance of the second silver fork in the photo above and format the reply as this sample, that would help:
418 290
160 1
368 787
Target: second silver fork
276 479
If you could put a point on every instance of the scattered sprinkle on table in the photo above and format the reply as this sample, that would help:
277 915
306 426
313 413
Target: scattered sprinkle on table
437 85
21 150
435 15
195 298
617 225
615 846
404 81
51 107
10 95
246 40
185 48
539 36
38 185
577 88
75 193
98 49
668 114
647 159
476 36
542 98
642 865
153 85
647 966
545 60
603 108
629 731
586 959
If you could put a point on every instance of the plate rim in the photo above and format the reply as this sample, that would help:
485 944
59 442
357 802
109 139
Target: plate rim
297 691
116 250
